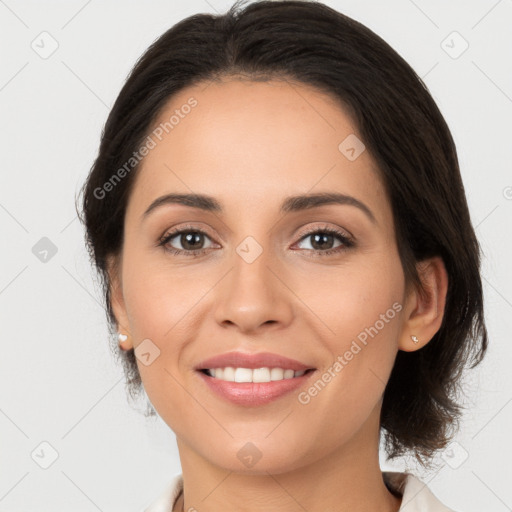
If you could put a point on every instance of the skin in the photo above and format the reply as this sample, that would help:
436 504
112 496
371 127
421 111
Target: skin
250 144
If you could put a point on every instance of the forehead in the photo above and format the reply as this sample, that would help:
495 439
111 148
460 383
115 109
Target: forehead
245 142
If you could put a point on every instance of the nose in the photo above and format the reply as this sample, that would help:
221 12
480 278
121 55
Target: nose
254 296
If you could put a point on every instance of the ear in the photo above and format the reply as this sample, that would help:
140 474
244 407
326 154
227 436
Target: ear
424 309
117 299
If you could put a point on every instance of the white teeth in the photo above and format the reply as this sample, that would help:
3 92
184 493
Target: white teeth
242 375
253 375
227 374
261 375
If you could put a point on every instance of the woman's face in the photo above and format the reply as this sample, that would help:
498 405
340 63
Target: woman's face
259 282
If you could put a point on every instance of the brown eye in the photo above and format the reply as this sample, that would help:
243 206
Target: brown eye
189 242
323 241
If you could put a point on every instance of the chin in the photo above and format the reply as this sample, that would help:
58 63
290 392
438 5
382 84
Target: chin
257 457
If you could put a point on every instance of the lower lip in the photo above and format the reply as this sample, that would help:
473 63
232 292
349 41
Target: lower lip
253 393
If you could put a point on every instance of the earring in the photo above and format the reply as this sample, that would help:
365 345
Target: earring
121 337
416 340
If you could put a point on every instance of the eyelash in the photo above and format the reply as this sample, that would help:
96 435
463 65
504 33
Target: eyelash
347 242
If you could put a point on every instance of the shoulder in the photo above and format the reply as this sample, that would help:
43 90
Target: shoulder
167 498
416 496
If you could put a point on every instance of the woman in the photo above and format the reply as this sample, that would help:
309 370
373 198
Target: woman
279 220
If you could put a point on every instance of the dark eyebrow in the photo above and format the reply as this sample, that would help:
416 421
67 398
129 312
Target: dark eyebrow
290 204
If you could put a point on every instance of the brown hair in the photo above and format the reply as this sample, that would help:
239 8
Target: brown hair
402 128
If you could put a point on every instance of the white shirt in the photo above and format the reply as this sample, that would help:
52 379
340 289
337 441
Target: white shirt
416 496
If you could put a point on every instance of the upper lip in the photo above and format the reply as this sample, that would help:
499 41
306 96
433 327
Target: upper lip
245 360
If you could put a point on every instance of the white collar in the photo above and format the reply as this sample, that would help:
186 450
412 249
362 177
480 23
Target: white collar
416 496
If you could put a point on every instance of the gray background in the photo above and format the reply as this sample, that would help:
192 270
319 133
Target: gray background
58 380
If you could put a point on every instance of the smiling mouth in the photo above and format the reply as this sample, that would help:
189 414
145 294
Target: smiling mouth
250 375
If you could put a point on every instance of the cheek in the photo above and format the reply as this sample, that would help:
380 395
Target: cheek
159 296
349 300
363 313
361 306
